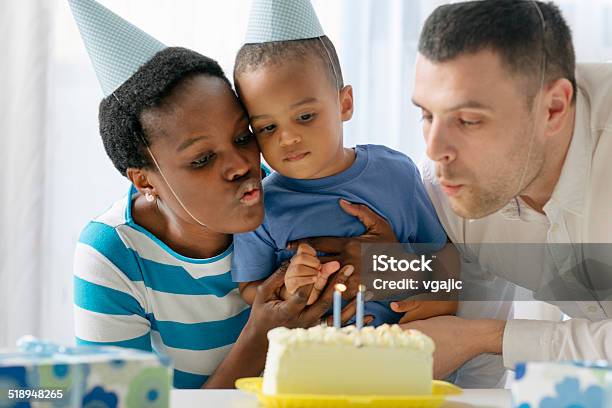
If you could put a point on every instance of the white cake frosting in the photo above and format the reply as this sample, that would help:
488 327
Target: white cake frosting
384 335
323 360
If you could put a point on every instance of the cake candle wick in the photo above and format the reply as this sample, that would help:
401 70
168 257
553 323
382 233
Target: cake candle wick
360 306
338 303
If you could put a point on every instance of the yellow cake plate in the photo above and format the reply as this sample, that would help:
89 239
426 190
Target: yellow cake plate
440 390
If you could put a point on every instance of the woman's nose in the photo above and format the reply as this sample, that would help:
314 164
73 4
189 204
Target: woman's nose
237 166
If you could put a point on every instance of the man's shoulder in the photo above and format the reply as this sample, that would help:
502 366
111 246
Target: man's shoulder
594 80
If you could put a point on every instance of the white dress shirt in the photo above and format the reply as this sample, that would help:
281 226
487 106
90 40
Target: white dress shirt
579 211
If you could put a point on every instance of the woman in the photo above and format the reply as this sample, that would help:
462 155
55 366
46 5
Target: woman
153 271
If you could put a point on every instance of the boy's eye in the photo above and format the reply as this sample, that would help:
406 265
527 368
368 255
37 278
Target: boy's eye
306 117
203 161
267 129
244 139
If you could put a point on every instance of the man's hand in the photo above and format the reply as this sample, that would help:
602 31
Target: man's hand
305 269
424 306
459 340
347 251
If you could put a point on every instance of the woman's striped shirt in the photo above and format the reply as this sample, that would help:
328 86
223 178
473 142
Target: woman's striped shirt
132 290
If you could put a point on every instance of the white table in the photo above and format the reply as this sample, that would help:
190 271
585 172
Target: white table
495 398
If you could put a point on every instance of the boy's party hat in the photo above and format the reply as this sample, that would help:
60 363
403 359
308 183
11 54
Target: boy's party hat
116 47
282 20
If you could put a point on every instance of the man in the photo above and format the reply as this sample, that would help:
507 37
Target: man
520 141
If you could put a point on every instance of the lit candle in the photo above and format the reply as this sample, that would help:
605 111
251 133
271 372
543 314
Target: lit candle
338 303
360 306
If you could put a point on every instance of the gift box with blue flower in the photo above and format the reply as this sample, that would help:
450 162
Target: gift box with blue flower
563 385
44 374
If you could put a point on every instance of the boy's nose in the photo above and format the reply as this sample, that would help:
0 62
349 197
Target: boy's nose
289 138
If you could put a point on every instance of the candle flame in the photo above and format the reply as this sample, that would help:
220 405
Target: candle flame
340 287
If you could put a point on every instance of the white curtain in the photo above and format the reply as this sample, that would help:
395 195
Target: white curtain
24 31
54 173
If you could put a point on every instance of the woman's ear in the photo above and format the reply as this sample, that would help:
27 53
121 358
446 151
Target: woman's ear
346 103
140 180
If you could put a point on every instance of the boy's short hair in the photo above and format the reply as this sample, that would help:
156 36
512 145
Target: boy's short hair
123 134
251 57
512 28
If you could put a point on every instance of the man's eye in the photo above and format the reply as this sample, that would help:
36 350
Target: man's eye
426 118
244 139
203 161
306 117
469 122
267 129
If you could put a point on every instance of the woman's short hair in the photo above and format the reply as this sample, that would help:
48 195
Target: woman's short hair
124 137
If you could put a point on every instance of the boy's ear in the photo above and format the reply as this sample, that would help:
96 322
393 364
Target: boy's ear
140 180
346 103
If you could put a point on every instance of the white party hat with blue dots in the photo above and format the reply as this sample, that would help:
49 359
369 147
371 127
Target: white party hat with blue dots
116 47
282 20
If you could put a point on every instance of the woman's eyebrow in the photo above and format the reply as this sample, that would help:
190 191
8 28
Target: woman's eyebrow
189 142
242 118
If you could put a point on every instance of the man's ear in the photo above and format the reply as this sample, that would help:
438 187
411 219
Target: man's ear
559 96
346 103
140 180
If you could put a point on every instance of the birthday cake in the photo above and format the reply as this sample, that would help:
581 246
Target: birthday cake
386 360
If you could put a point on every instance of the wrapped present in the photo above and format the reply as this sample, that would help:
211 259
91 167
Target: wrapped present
43 374
563 385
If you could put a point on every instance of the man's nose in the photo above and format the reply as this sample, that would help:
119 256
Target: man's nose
437 139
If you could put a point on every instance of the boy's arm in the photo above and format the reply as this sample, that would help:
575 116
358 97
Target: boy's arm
248 290
253 260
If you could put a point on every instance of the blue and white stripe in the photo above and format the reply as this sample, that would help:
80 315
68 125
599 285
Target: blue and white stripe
132 290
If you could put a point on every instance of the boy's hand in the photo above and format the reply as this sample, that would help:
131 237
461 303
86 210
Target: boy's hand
347 250
424 306
306 269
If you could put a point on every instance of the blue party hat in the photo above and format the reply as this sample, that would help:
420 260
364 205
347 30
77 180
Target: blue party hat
117 48
282 20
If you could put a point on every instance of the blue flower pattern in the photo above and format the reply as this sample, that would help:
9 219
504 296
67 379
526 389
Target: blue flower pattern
98 398
570 396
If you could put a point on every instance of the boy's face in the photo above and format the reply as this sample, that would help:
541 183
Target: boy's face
297 113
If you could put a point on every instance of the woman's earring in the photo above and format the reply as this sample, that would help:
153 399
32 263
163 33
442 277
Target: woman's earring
149 196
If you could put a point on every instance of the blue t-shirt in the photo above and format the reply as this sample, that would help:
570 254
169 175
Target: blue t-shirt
385 180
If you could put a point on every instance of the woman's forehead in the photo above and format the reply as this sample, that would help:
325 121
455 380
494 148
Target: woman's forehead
203 106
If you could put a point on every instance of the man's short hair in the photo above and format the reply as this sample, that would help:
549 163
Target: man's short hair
251 57
512 28
123 135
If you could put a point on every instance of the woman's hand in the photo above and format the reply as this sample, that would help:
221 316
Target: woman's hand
270 310
347 251
248 355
